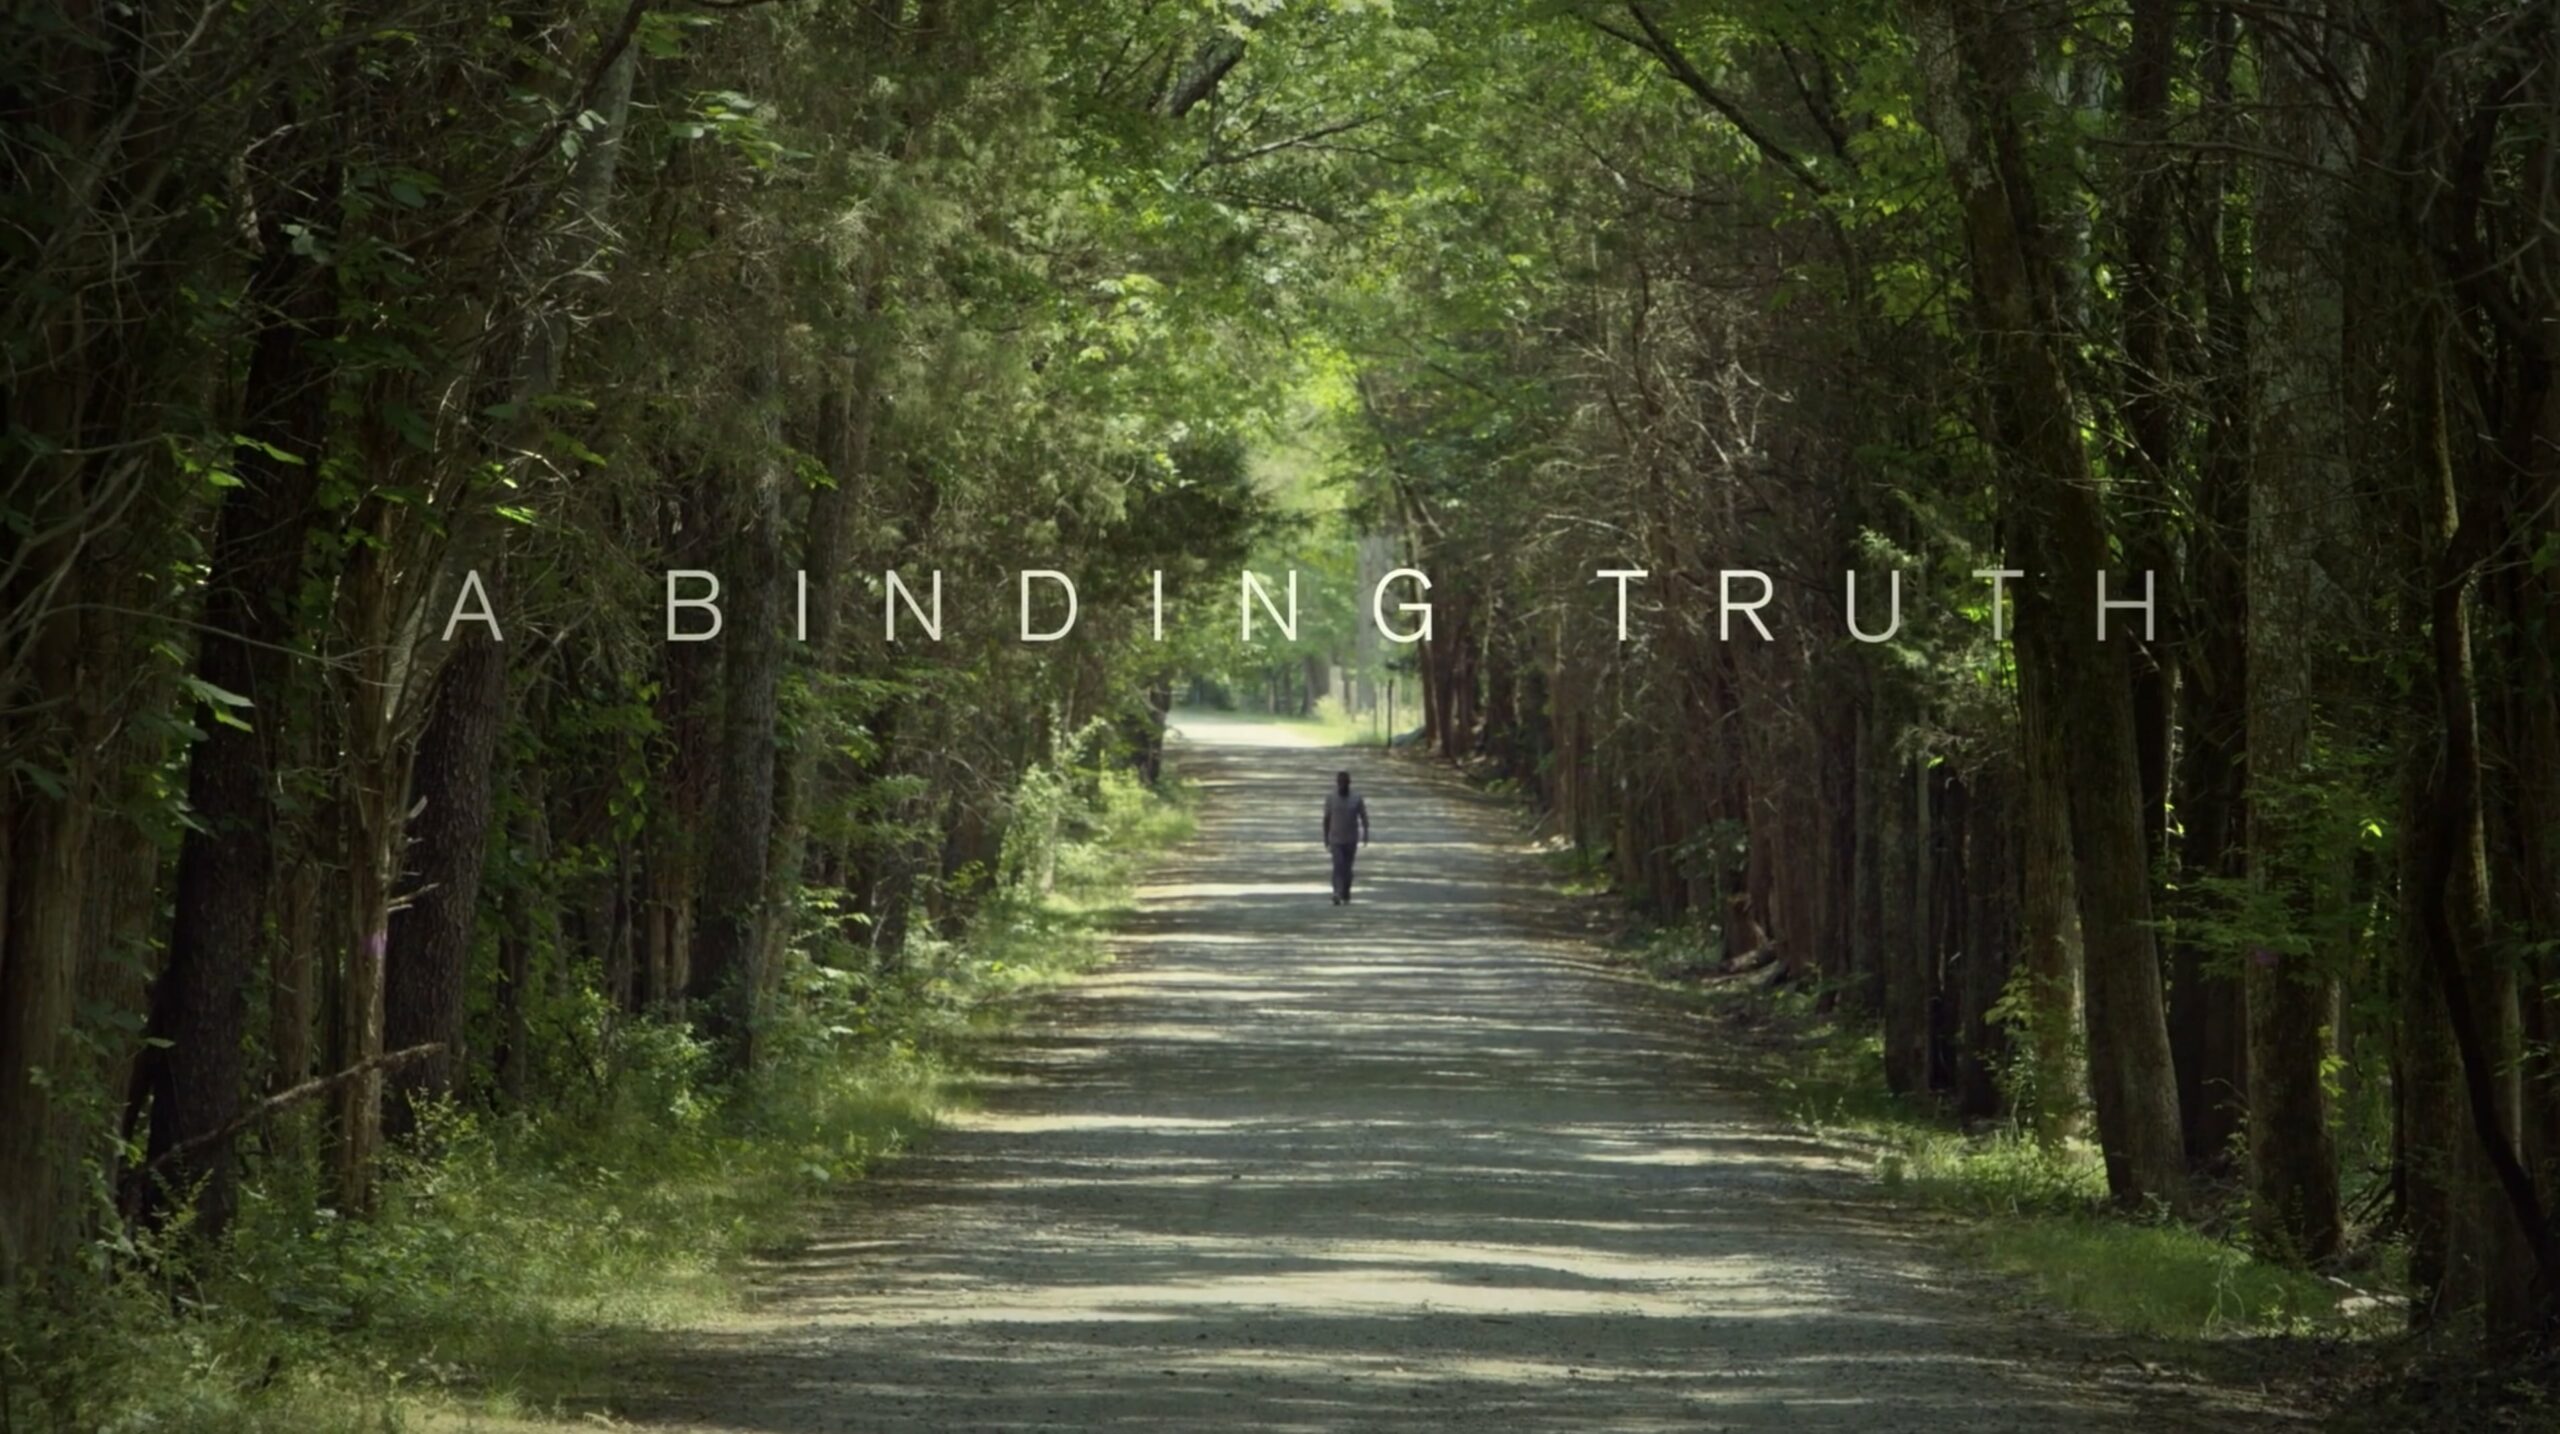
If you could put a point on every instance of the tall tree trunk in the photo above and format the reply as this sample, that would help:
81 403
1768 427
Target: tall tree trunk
1864 994
2426 1092
1990 861
2502 1256
1902 842
2501 1253
452 770
293 975
2208 1014
2150 412
844 447
2208 1018
192 1078
687 711
728 977
2049 954
2530 742
430 942
46 842
2057 534
372 808
2295 490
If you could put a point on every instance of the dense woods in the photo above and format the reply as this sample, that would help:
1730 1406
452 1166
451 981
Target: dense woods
371 366
375 366
2243 308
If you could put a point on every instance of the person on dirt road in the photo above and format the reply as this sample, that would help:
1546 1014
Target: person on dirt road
1346 826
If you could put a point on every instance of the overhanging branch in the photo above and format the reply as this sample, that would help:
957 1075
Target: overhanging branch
1659 45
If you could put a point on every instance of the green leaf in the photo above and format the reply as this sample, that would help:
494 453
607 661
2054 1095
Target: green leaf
269 449
44 779
206 692
220 703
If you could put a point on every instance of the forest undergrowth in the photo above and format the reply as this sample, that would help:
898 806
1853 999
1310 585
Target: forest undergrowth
2035 1208
513 1258
2031 1205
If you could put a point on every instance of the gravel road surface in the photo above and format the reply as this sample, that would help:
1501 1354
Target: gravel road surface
1415 1163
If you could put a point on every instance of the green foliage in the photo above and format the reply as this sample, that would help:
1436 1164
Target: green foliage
1513 287
511 1252
2169 1280
2030 1207
2031 1018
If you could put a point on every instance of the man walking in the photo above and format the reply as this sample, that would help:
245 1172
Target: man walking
1346 826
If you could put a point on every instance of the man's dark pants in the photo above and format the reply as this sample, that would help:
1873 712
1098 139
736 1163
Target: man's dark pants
1342 851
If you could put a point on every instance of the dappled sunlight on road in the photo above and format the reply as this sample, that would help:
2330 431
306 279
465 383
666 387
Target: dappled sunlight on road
1413 1163
1198 727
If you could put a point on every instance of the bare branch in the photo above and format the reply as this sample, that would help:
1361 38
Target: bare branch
1655 43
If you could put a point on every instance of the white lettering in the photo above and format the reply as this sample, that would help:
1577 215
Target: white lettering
898 592
1253 589
1622 575
471 584
1062 580
1726 607
1893 623
1999 597
1378 607
2143 602
709 601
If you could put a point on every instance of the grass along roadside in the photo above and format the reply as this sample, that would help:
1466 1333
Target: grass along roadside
2035 1211
2025 1207
515 1258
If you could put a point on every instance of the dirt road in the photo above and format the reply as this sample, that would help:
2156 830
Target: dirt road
1408 1164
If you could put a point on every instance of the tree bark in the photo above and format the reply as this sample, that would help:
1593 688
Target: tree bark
430 937
1902 841
1990 859
844 447
2295 489
2208 1018
728 977
2049 958
192 1076
2148 386
2057 533
2501 1254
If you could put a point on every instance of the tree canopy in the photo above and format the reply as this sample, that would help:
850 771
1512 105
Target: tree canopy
321 312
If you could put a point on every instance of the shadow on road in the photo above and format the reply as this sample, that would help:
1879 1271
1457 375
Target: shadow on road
1288 1166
